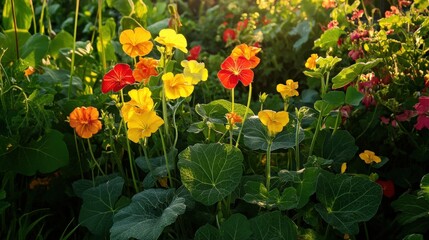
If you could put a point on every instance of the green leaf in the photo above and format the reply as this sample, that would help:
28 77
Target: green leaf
349 74
273 225
3 204
329 38
98 206
413 237
210 171
327 63
424 185
240 109
7 41
147 215
334 98
62 40
60 80
158 166
81 185
207 232
339 147
212 112
353 96
34 49
44 155
411 208
314 74
323 107
23 14
257 193
304 182
108 33
125 7
236 227
256 136
346 200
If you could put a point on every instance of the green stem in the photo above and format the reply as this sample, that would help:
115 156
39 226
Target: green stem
42 16
130 156
93 158
297 160
232 100
249 98
166 158
15 27
100 26
146 156
165 114
268 166
34 17
74 48
78 155
336 121
316 132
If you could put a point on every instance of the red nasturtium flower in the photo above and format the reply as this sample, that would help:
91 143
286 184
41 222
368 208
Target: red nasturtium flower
388 187
117 78
194 53
145 68
85 121
234 70
229 34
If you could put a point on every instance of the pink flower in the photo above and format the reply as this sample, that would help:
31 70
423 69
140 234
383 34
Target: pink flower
357 14
422 122
422 108
356 54
406 115
332 24
385 120
394 11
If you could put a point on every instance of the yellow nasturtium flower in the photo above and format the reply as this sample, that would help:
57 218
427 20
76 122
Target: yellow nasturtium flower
311 61
140 103
369 157
136 42
275 121
195 71
170 39
343 167
142 126
176 86
288 90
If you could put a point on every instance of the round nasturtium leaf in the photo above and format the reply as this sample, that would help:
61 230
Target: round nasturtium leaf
210 171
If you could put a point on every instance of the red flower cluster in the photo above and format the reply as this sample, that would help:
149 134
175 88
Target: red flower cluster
422 108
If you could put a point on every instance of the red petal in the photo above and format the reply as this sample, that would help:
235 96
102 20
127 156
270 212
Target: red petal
246 76
243 63
117 78
228 63
227 78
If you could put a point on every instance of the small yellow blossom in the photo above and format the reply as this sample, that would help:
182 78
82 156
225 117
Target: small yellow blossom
170 39
176 86
195 71
142 126
140 103
136 42
275 121
343 167
369 157
288 90
311 61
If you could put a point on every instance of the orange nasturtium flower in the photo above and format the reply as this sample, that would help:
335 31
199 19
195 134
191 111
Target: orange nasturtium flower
140 103
311 61
170 39
29 71
275 121
136 42
234 70
144 69
248 52
85 121
233 118
369 157
195 71
176 86
288 90
142 126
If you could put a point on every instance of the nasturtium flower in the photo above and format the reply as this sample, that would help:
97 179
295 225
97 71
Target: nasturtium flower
234 70
195 71
85 121
343 167
275 121
288 90
233 118
176 86
229 34
170 39
422 109
248 52
29 71
136 42
369 157
194 53
142 126
311 62
144 69
140 103
117 78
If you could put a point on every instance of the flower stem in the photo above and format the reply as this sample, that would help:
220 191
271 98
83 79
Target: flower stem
165 114
78 155
146 156
249 98
268 166
100 35
93 158
316 132
74 48
166 158
297 160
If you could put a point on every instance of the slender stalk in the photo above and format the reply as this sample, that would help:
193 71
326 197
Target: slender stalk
165 114
249 98
130 156
336 121
34 17
74 48
100 35
93 158
316 132
78 155
146 156
232 100
15 28
268 166
42 16
166 158
297 159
